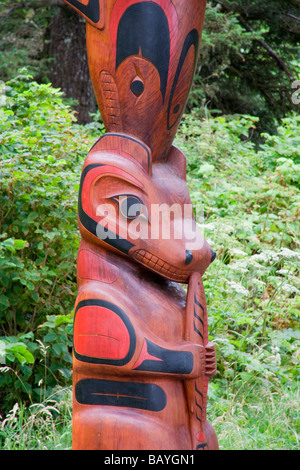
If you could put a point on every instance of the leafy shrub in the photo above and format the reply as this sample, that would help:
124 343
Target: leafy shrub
281 152
247 203
42 150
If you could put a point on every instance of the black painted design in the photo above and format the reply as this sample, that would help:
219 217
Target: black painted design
127 323
203 445
143 396
198 405
91 10
137 87
144 27
198 322
198 318
198 332
192 39
90 224
176 109
198 303
170 362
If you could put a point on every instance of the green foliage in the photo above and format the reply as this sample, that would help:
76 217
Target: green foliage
249 60
281 153
42 150
249 202
248 205
255 416
23 27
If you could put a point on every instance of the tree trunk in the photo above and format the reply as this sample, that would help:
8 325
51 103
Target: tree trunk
68 61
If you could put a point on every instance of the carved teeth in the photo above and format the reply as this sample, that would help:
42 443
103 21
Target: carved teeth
160 266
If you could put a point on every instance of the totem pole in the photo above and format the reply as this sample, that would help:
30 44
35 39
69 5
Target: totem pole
142 358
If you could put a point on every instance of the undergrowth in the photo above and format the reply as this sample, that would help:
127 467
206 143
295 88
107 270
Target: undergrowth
247 202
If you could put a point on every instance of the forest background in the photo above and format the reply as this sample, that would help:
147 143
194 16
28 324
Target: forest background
240 134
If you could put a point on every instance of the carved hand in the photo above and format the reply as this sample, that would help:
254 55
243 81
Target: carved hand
210 359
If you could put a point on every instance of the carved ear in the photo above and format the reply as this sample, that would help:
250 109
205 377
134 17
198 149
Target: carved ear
177 161
127 147
91 10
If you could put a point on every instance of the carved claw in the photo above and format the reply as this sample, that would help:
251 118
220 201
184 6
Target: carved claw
211 360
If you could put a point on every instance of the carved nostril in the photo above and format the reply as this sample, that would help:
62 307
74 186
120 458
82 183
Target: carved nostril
213 255
188 257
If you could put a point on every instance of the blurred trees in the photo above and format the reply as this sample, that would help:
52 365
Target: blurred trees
249 59
49 39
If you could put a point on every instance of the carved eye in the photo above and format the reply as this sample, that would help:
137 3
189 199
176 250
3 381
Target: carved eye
137 86
131 207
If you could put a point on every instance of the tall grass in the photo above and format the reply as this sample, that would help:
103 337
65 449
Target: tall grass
257 417
247 418
40 426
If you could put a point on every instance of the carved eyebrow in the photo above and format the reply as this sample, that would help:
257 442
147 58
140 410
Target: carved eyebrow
123 179
111 171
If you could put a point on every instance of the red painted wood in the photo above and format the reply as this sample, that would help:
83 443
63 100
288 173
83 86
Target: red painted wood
142 358
99 332
96 268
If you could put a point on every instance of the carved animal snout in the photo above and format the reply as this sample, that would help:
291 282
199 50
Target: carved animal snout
213 255
188 257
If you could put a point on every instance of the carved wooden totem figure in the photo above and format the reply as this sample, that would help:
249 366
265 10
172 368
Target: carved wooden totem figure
142 358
